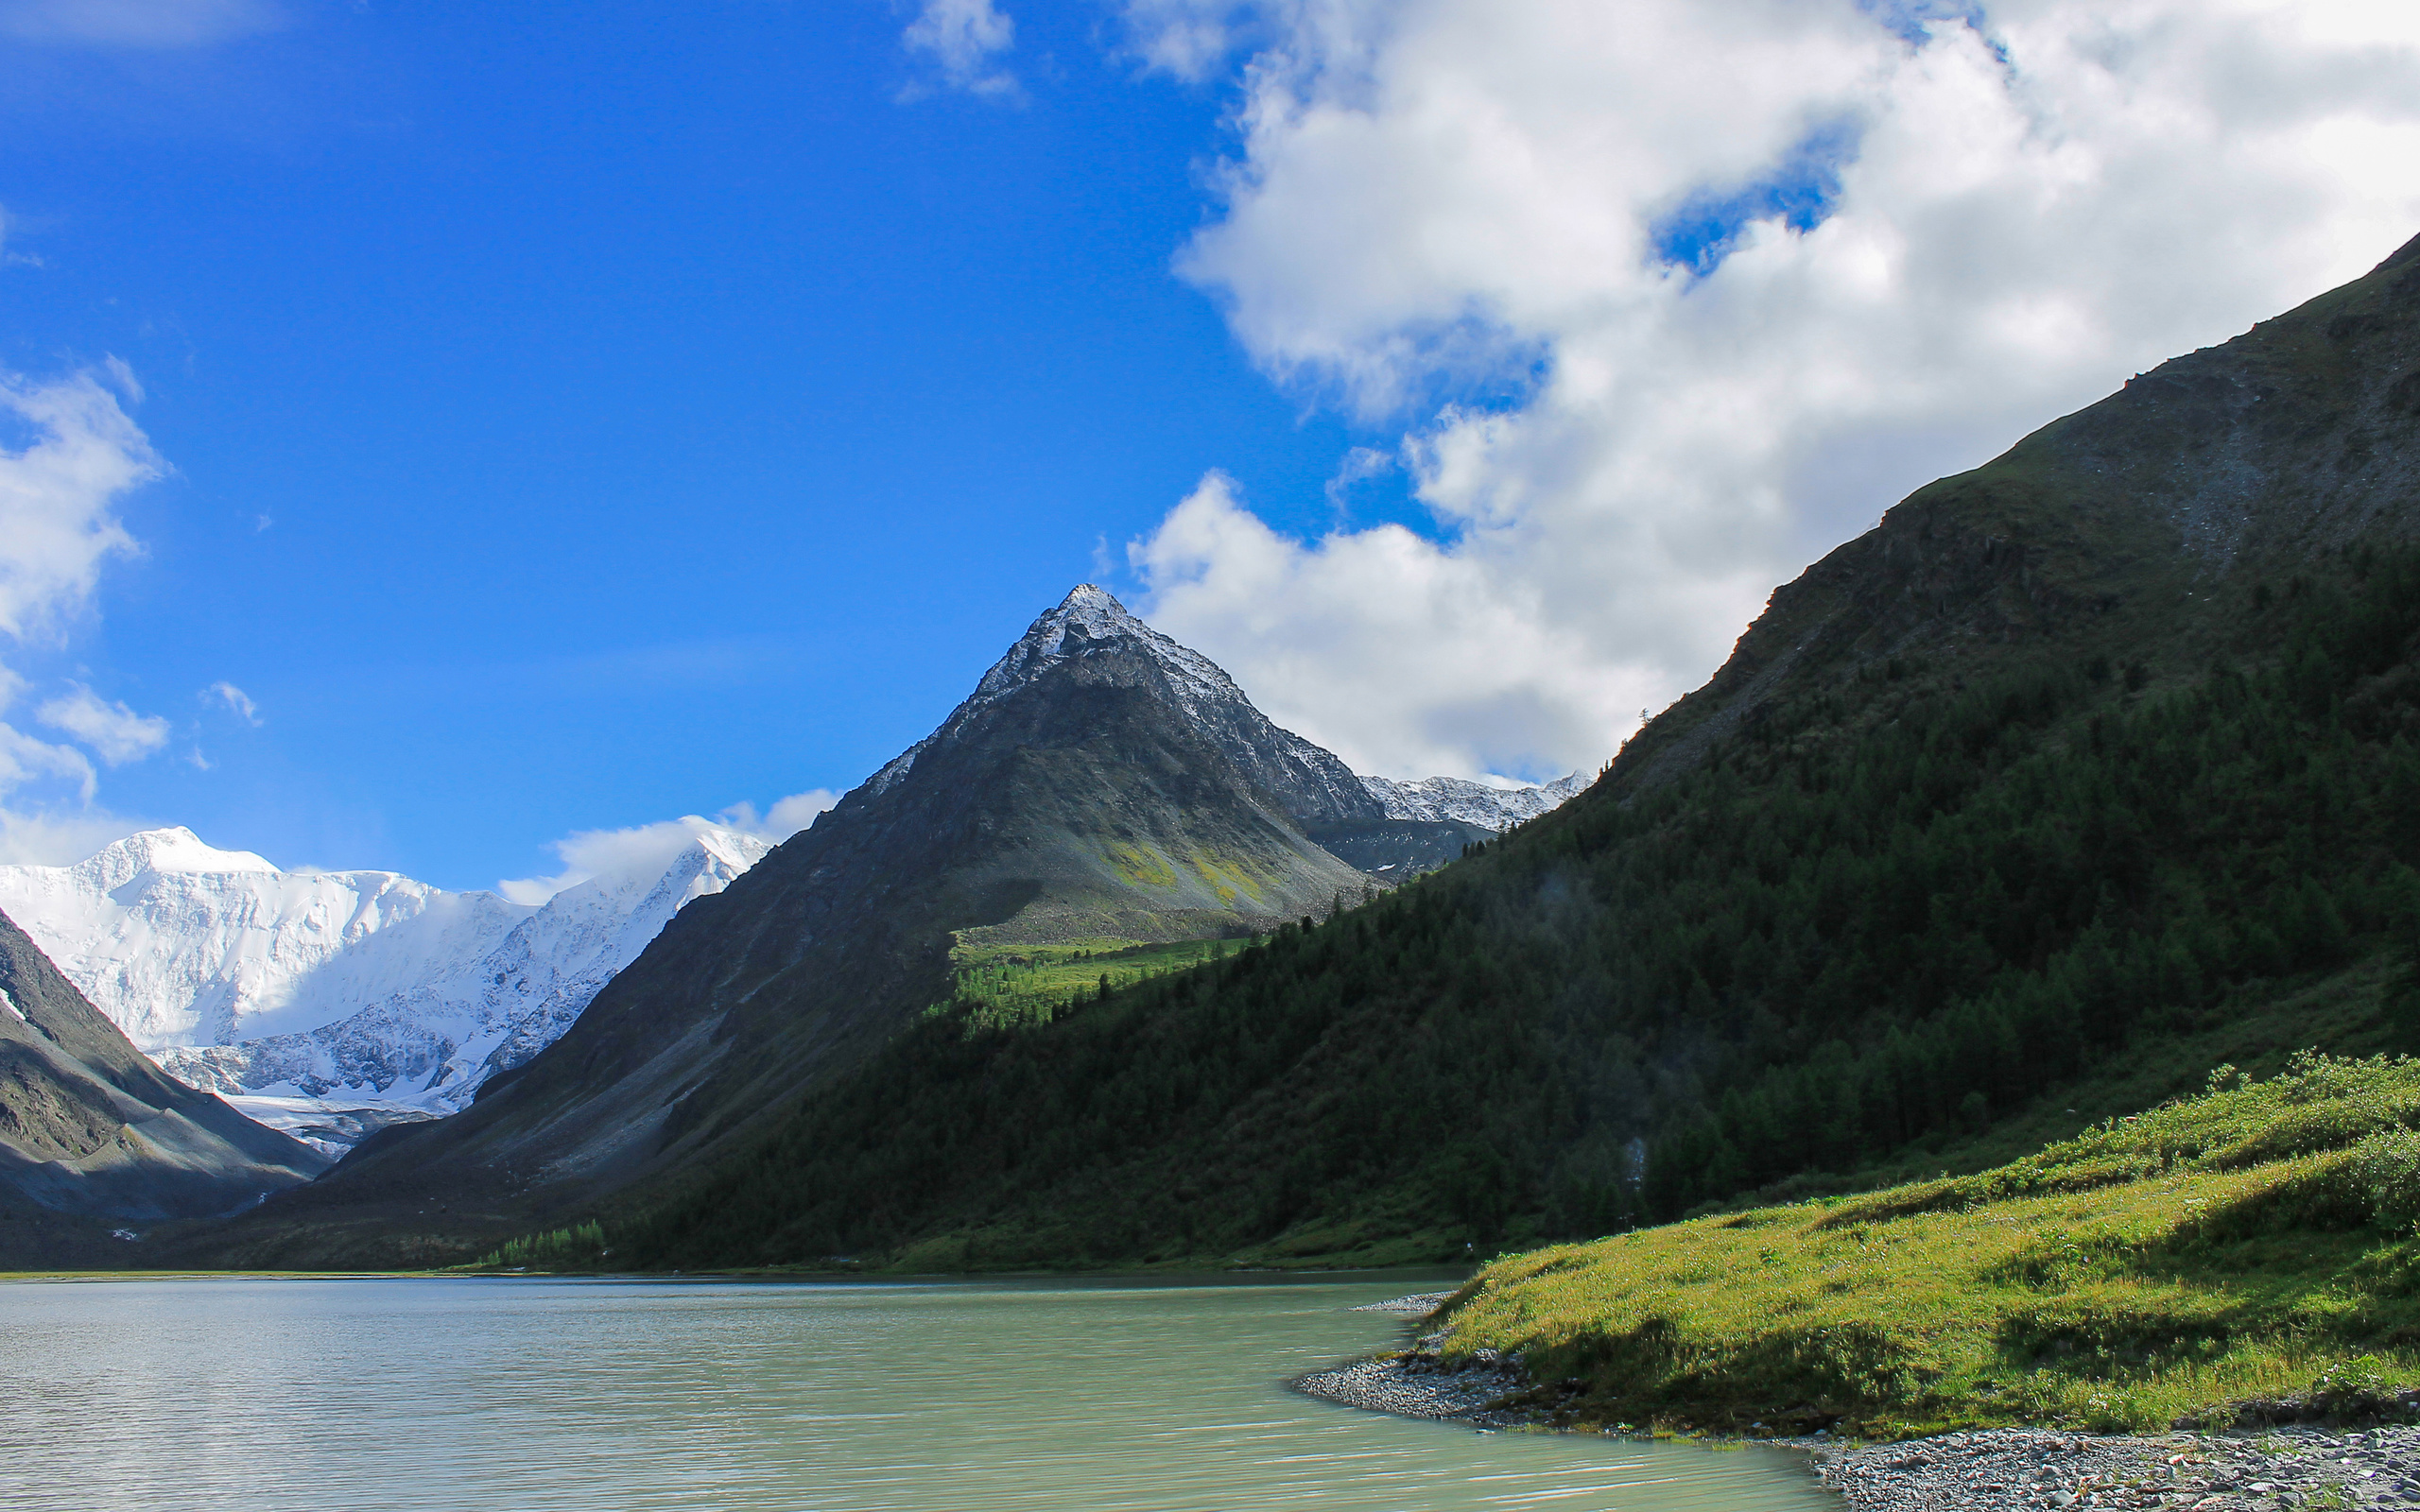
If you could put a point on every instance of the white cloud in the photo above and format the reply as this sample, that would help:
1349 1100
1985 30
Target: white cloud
58 493
116 733
24 760
965 39
1360 464
646 849
52 839
1404 659
234 698
56 496
785 818
137 23
1187 39
1443 197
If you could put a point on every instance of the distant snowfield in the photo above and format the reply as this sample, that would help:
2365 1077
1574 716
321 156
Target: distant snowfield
331 1003
1459 800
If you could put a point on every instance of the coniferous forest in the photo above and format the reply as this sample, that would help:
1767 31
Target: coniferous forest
1890 912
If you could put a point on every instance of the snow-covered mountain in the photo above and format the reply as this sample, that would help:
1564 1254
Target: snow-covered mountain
1459 800
330 1003
180 943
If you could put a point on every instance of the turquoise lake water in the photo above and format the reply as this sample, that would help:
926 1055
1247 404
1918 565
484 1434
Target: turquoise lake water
511 1394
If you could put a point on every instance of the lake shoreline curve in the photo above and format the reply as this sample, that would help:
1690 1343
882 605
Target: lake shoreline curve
1995 1470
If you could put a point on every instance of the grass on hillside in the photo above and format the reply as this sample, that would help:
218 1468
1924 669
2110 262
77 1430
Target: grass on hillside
1002 986
2250 1242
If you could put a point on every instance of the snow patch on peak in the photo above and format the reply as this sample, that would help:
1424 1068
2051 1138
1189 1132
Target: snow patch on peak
358 989
1461 801
173 849
1088 620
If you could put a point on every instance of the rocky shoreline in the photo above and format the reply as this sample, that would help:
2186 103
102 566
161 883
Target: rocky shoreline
2285 1469
2294 1469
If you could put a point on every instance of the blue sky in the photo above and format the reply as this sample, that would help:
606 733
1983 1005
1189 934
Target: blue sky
650 409
569 417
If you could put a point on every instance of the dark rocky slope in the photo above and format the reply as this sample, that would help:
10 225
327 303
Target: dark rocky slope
93 1137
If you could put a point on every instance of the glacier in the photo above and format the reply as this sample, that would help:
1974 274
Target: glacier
329 1003
1459 800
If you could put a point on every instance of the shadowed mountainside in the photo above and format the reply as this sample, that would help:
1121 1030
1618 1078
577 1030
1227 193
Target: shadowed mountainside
94 1136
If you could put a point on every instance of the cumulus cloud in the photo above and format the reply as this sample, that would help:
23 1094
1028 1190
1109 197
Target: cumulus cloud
58 497
965 39
645 849
1667 298
136 23
115 734
1187 39
58 526
785 818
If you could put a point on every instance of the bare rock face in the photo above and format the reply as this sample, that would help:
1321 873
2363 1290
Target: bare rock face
93 1136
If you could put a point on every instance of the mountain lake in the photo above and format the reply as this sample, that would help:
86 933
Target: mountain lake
508 1393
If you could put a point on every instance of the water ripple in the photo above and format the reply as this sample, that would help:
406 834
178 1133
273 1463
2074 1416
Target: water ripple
1068 1395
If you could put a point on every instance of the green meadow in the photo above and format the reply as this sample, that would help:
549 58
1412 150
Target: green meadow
2250 1243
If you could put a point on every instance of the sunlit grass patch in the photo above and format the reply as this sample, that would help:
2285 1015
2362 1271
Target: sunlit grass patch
999 986
2238 1246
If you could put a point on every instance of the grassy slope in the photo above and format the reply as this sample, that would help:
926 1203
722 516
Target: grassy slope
1000 985
2249 1242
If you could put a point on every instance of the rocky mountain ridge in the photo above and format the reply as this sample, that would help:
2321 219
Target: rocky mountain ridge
93 1137
1313 783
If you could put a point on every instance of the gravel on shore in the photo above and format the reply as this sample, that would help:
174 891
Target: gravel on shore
1416 1383
1419 1386
2285 1469
1419 1304
2296 1469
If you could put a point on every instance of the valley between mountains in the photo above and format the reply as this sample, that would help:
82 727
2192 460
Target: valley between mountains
2075 808
1106 796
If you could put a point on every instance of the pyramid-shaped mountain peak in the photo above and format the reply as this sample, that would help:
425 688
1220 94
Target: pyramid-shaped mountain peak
1088 621
1091 639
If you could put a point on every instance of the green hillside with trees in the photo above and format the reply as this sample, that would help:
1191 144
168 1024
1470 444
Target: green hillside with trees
2078 774
1810 954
